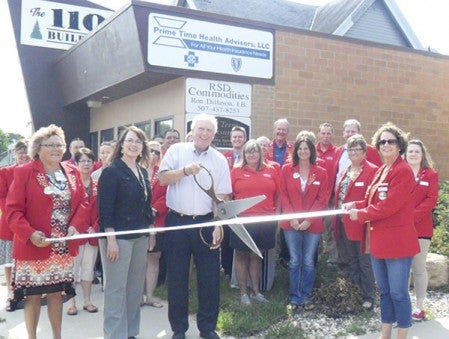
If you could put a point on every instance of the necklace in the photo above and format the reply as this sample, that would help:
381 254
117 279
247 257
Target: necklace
142 182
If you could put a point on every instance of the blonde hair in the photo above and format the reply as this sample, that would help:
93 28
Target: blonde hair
41 134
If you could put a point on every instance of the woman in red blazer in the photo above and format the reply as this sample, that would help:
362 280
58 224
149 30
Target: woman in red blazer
83 270
303 189
352 186
391 236
426 196
6 235
46 200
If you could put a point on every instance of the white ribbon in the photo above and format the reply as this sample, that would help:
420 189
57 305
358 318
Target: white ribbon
233 221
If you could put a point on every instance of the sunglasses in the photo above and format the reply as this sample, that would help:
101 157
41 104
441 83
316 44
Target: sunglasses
155 152
389 142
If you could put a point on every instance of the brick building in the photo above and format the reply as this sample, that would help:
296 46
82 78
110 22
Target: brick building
106 81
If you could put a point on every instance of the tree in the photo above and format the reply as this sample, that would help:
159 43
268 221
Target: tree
3 141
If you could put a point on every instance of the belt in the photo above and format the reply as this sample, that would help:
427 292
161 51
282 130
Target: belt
192 217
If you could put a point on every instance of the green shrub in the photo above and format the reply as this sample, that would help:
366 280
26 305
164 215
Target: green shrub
440 240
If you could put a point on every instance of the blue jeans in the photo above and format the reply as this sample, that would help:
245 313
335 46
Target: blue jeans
302 247
392 279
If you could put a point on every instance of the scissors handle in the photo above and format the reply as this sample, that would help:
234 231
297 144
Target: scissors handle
211 190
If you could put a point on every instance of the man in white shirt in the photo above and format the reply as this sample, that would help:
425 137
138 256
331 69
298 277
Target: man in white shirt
188 204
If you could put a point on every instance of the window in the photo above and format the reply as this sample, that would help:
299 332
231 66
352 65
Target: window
160 126
145 126
106 135
93 141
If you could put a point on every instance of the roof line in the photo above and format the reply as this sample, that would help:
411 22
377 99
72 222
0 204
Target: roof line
403 24
346 25
314 17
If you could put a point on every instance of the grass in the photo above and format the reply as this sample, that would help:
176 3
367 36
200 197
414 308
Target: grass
271 320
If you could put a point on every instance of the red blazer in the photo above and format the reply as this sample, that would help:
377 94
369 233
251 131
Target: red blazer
372 155
391 227
92 207
269 155
6 176
293 200
356 191
328 161
29 209
158 201
426 196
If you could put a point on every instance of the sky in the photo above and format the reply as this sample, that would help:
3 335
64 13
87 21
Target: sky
428 18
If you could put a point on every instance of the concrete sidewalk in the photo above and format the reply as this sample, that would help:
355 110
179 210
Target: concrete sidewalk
154 323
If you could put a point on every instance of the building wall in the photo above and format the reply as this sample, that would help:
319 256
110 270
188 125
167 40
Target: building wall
330 80
163 101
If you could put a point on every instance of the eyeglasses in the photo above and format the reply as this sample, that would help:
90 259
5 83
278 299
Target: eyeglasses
155 152
388 141
87 162
252 152
355 150
132 141
54 146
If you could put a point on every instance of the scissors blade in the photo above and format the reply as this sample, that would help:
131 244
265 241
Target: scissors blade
243 234
230 209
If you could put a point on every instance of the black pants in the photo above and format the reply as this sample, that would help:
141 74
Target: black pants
180 245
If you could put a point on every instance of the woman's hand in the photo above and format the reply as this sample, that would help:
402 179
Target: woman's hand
353 214
348 206
38 239
151 242
72 231
294 224
304 226
90 230
112 251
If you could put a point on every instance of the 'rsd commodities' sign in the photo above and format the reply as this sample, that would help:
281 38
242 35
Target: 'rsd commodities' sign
218 97
184 43
56 25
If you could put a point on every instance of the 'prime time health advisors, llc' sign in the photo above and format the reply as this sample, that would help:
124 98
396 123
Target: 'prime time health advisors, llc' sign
180 42
218 97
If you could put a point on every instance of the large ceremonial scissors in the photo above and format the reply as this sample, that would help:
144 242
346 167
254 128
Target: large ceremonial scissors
231 209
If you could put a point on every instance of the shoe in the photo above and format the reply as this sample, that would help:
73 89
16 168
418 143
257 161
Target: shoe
90 308
292 307
244 299
209 335
96 281
178 335
11 305
259 298
72 310
308 305
418 314
367 305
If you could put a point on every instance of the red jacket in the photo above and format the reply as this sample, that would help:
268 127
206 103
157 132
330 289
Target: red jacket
269 155
356 191
92 207
158 201
372 155
293 200
328 163
426 196
6 176
29 209
391 227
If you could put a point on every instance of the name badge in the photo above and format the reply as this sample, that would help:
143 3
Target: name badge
382 189
424 183
267 175
359 184
316 183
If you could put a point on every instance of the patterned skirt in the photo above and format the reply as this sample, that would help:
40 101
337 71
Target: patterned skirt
36 277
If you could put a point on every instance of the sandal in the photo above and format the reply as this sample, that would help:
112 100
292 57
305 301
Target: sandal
72 310
90 308
152 304
11 305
